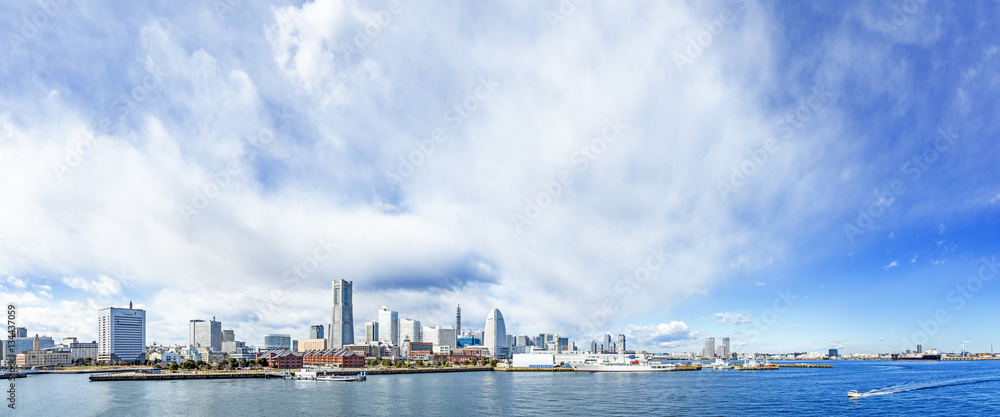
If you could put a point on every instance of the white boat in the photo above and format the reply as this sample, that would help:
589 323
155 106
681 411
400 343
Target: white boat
359 377
620 363
854 394
721 364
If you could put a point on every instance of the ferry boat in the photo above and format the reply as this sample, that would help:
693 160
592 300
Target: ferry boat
622 364
359 377
915 357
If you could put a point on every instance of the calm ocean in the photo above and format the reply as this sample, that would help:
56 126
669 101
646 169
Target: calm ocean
910 388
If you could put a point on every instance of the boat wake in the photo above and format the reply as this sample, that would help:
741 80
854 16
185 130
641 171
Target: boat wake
919 386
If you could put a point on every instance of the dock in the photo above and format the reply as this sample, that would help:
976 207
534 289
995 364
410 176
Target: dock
521 369
802 365
173 376
688 367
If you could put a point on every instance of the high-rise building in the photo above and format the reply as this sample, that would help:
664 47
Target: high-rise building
458 319
834 353
593 346
342 330
621 343
228 336
277 341
316 332
495 335
21 332
920 348
521 340
607 343
725 347
409 329
441 336
388 327
121 334
207 334
371 332
709 351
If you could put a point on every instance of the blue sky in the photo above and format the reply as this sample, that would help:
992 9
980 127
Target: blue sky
797 176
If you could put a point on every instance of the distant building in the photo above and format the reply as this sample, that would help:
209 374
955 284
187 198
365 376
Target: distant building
709 351
20 332
420 350
920 348
725 347
43 358
621 343
835 353
121 334
277 341
232 346
468 340
311 344
495 335
282 359
83 350
607 344
388 327
170 357
521 340
371 332
409 330
441 336
228 336
316 332
342 331
24 344
593 346
206 334
66 341
343 358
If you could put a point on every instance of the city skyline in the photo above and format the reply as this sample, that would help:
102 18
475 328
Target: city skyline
796 177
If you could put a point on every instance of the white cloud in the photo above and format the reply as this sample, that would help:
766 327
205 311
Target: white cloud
732 318
16 282
103 285
892 264
664 335
993 200
759 284
794 326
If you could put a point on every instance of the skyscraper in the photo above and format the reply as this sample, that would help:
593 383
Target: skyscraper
607 343
411 330
621 343
206 334
709 351
316 332
458 319
495 336
371 331
342 331
228 336
121 334
388 327
725 347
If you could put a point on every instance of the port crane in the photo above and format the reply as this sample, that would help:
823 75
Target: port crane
963 346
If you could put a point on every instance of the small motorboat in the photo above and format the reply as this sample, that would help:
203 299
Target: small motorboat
359 377
854 394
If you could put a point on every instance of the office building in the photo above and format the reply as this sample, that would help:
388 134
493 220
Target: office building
277 341
311 344
371 332
20 332
388 327
709 351
206 334
232 346
920 349
834 353
495 335
24 344
83 350
441 336
621 343
409 329
316 332
725 348
121 334
228 336
42 358
342 327
608 343
593 347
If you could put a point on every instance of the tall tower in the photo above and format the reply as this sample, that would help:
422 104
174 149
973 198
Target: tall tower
495 336
388 327
342 328
458 319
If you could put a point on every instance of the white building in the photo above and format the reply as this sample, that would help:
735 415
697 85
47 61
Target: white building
411 330
709 351
495 335
441 336
170 357
388 327
206 334
121 334
79 350
371 332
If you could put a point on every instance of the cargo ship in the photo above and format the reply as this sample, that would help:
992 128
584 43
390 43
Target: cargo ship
915 357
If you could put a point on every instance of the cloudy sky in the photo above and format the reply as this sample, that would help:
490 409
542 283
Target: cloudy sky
797 176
